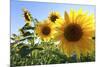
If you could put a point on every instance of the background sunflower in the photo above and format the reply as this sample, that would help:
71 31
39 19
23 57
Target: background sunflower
27 16
53 16
45 30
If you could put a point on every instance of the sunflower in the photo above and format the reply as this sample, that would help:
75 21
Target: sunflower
75 33
53 16
27 16
45 30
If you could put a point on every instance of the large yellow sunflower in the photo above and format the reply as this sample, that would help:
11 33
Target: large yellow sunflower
27 16
53 16
45 30
75 33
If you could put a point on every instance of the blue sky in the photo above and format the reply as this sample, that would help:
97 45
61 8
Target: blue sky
40 10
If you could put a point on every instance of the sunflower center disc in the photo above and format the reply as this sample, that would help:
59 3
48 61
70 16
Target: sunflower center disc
26 16
53 18
46 30
73 32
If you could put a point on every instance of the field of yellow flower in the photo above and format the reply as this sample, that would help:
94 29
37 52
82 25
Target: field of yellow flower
55 40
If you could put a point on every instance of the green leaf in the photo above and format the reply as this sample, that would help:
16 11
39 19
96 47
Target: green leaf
27 34
27 24
14 35
36 48
24 51
12 38
28 28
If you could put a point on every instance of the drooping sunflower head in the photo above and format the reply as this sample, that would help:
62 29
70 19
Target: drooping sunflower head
75 33
53 16
27 16
45 30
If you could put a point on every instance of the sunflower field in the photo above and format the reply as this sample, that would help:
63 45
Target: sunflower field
55 40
